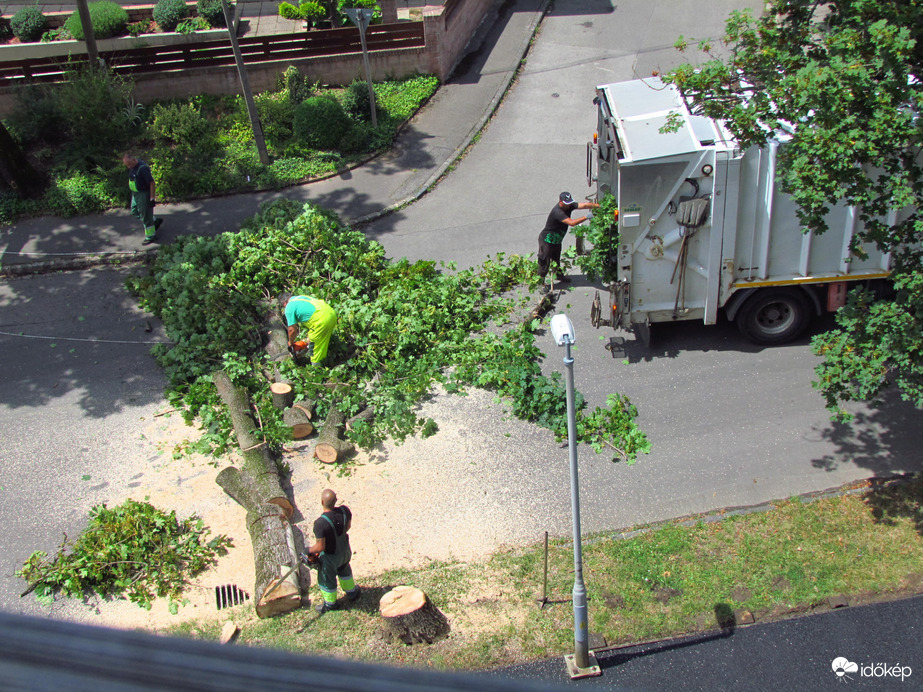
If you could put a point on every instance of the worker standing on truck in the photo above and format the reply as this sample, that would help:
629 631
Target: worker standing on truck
317 317
551 237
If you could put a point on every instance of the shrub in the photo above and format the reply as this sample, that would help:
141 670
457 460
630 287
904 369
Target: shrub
29 24
169 13
299 88
358 139
356 101
212 12
92 100
320 122
307 11
109 19
182 124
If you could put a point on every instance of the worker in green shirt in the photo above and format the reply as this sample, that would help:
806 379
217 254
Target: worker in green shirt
319 319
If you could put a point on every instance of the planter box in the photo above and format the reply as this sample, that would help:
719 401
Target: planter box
136 13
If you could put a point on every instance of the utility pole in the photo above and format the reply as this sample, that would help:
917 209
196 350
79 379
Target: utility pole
245 86
88 35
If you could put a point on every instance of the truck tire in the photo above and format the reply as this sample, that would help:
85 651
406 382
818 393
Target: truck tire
774 316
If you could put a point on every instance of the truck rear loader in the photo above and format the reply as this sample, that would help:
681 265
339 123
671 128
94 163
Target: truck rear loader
703 228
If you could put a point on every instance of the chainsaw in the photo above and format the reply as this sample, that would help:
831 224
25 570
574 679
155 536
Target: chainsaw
301 348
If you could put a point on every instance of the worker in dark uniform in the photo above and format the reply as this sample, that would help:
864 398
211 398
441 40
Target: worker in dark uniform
142 186
556 227
332 548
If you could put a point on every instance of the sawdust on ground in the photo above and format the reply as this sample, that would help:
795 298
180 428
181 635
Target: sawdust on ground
424 500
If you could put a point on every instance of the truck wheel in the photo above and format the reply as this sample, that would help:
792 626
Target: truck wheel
774 316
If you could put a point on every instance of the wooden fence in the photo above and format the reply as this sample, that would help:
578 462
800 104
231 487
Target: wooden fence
255 50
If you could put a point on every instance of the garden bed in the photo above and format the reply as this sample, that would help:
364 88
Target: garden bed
13 50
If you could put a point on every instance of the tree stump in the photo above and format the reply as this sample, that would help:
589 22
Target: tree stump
330 447
283 395
410 616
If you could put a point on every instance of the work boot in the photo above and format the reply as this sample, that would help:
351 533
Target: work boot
324 607
354 594
148 239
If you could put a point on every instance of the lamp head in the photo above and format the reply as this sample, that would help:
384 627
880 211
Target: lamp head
562 329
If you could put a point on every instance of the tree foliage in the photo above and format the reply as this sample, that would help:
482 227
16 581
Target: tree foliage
133 550
843 78
402 329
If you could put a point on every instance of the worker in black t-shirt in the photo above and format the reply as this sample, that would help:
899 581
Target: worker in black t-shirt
332 548
556 227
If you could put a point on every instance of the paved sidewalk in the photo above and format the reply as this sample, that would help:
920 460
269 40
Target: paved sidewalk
426 148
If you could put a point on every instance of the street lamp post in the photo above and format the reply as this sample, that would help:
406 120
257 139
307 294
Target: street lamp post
581 663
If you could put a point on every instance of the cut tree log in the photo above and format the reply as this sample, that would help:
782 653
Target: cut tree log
274 554
256 487
283 395
258 461
249 491
330 446
410 616
366 415
298 413
302 430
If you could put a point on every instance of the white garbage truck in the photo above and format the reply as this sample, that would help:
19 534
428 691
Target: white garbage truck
703 227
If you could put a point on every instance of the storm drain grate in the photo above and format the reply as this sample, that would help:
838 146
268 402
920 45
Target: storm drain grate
230 595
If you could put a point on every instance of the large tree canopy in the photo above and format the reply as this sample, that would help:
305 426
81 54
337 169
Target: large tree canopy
843 78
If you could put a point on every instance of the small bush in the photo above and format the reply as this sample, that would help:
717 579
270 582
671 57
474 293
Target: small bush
169 13
358 139
182 124
288 11
298 86
320 122
212 12
109 19
29 24
356 101
307 11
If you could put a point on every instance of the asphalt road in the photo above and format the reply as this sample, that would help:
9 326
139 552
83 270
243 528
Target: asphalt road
70 409
882 641
731 423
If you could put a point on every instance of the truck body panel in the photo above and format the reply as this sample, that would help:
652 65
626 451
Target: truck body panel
671 266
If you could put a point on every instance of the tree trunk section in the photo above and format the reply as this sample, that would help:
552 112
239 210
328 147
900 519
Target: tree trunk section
411 617
273 555
283 395
330 447
250 492
258 462
366 415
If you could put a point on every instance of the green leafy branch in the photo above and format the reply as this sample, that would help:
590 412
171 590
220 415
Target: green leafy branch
134 550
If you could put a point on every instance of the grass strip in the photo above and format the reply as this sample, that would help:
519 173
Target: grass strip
678 578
